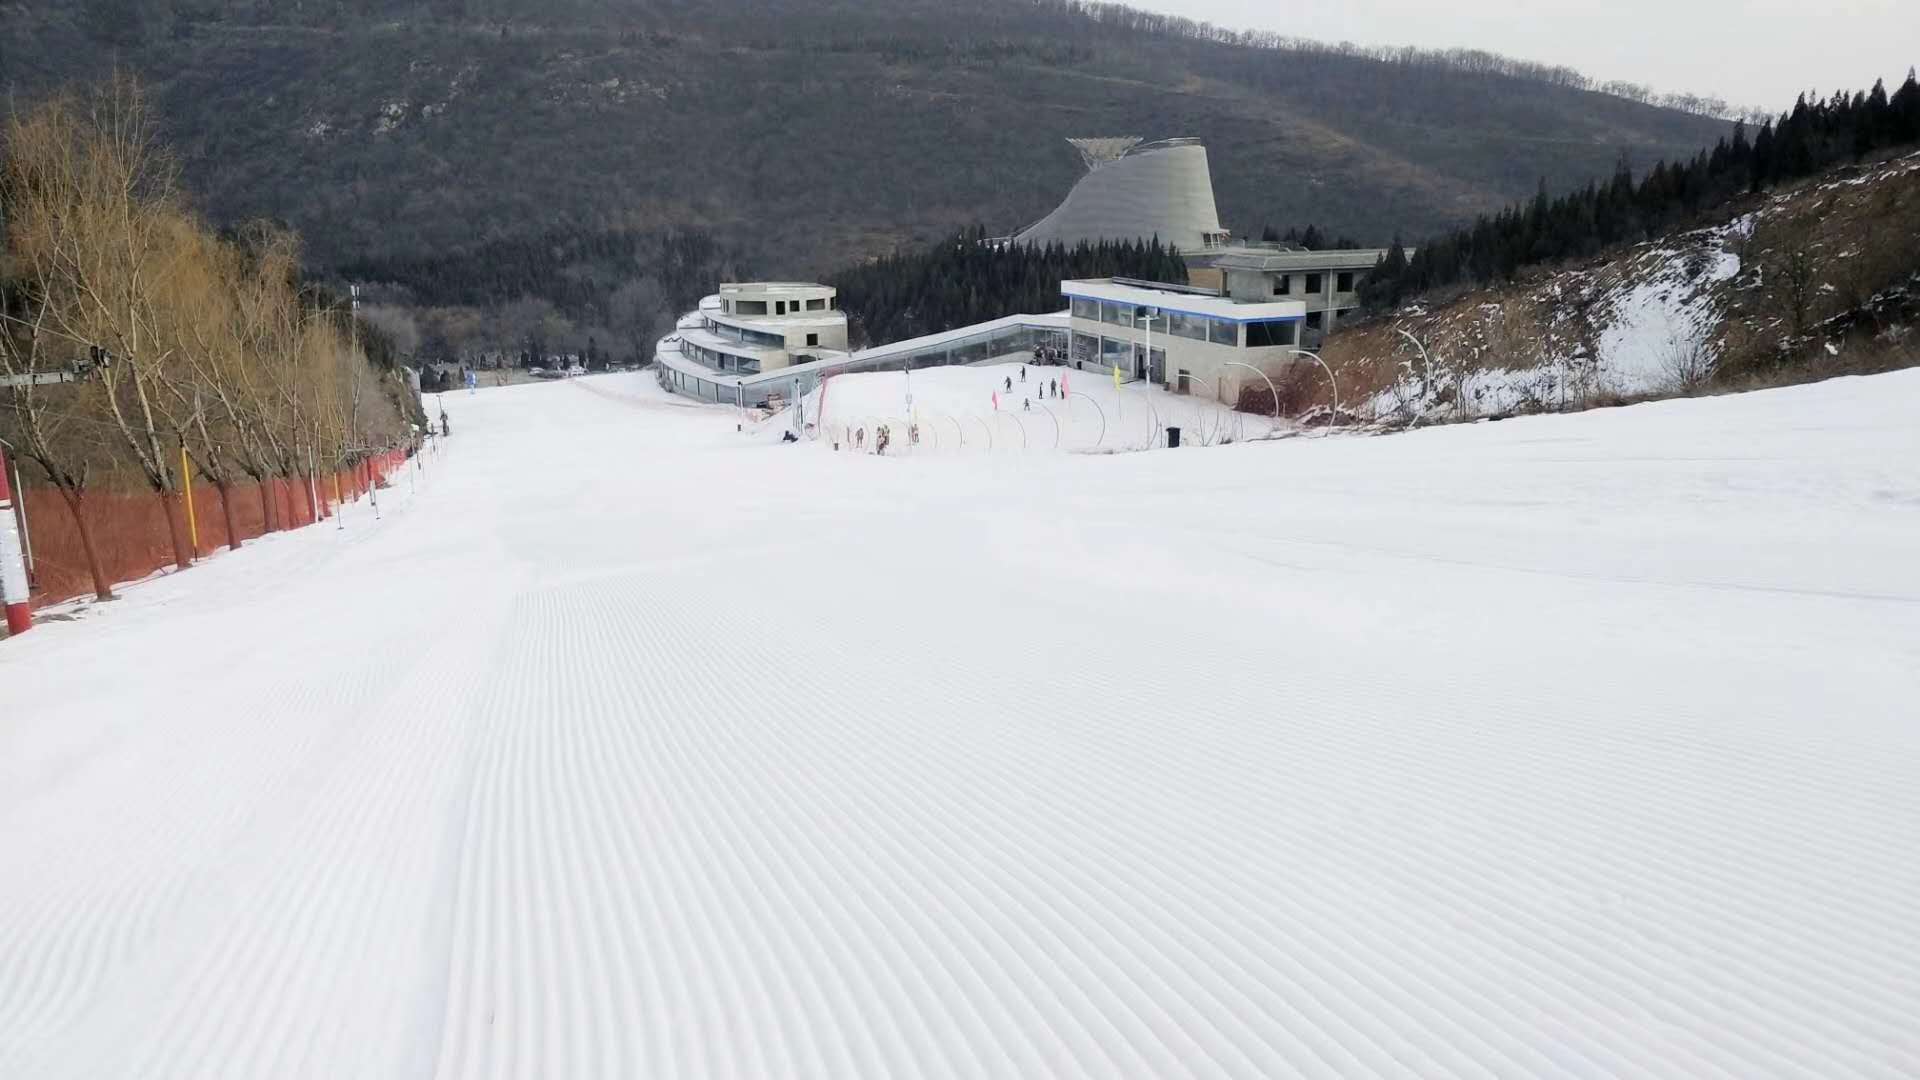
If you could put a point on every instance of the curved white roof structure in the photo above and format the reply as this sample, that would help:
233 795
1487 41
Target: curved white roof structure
1159 189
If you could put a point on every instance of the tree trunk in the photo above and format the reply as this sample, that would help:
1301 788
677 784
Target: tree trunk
177 529
306 486
76 505
267 517
226 511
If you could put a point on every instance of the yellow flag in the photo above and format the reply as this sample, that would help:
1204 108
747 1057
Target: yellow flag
1116 376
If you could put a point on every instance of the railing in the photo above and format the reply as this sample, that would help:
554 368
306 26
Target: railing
1015 335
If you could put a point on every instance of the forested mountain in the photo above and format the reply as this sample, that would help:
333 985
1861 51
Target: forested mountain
822 131
1807 139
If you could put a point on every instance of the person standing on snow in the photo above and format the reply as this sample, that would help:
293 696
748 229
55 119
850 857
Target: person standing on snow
1009 384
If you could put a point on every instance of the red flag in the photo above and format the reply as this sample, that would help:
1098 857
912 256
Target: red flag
996 401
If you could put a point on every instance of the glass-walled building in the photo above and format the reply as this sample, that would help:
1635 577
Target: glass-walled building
1187 339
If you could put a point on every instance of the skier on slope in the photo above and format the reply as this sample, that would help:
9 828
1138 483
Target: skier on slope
1009 384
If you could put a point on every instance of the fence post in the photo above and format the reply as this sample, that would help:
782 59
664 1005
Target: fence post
13 569
186 485
26 527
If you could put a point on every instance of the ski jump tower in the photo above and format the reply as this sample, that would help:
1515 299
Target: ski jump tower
1135 191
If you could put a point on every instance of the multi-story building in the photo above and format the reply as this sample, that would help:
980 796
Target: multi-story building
757 345
1189 339
1327 282
748 328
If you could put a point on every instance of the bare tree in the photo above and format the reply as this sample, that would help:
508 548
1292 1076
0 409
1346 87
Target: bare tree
197 407
639 312
41 426
199 349
1687 359
1791 273
94 212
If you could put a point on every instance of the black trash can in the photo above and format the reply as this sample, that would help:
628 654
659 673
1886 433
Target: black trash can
1173 438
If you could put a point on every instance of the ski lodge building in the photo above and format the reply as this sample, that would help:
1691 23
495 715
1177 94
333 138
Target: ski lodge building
1185 338
746 329
1242 314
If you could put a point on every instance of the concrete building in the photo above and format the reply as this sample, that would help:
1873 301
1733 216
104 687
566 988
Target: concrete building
1137 192
753 327
1189 339
1327 282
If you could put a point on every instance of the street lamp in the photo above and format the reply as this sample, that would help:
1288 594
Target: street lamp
1426 365
1153 422
1315 357
1149 320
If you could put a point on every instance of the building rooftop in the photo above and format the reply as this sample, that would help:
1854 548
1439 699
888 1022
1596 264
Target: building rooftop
1280 260
1183 299
774 287
832 318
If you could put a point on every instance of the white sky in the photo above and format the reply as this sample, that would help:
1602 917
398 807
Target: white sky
1758 53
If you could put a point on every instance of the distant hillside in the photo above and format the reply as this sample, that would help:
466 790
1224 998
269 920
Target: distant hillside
805 133
1815 279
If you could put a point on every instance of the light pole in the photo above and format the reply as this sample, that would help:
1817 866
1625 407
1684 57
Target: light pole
1147 375
1149 320
1426 365
907 369
1335 414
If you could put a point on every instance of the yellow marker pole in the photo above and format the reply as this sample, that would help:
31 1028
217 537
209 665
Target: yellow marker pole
186 484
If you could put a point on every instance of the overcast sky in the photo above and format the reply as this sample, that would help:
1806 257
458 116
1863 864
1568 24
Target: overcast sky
1758 53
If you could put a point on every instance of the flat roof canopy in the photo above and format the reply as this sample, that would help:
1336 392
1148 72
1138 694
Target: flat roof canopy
1212 307
1284 261
813 290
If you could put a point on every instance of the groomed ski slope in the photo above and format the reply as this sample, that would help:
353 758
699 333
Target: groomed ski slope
630 746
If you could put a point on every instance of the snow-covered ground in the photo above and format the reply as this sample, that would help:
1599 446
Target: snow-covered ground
634 746
1005 408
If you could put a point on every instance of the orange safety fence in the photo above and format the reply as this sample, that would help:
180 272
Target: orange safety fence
130 527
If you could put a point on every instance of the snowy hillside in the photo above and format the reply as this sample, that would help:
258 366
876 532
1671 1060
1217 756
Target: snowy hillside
632 745
1666 316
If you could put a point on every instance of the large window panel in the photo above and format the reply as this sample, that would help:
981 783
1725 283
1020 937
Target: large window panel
1271 333
1223 332
1192 327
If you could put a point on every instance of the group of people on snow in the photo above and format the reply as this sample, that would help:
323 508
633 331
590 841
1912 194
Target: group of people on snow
1048 389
